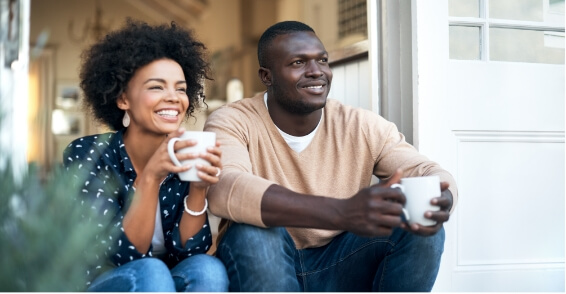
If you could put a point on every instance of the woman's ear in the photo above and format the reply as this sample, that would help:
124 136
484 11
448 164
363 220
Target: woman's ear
265 76
122 102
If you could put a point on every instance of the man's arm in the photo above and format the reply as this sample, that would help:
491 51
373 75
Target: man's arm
373 211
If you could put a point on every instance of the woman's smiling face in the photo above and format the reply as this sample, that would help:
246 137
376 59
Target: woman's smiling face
156 98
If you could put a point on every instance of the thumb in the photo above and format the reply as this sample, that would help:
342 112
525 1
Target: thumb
395 178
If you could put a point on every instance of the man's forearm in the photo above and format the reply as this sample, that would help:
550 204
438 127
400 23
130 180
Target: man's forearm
283 207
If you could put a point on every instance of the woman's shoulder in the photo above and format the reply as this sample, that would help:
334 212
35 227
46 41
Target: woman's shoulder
88 146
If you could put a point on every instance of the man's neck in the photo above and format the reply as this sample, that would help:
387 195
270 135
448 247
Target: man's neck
291 123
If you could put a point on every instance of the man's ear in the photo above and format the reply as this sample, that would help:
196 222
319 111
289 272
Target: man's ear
122 102
265 76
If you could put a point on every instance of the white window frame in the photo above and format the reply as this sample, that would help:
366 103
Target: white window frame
484 22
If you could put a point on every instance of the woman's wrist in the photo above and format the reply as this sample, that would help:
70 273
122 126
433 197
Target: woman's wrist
197 192
195 201
143 181
192 212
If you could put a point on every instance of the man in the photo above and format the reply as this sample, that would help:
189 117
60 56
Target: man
298 212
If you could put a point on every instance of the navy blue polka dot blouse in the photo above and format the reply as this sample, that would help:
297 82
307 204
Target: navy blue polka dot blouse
106 179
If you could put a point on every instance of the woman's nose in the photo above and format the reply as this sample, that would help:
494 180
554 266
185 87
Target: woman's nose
171 95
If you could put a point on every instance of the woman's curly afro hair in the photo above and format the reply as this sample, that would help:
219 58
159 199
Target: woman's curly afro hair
108 65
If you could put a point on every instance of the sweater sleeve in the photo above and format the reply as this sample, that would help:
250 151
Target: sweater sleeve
238 194
395 153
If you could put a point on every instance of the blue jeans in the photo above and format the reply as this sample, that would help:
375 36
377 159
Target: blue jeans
266 260
198 273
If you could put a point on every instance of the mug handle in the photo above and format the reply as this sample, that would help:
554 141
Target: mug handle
405 211
171 151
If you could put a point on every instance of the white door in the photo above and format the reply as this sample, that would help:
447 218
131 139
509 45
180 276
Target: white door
489 106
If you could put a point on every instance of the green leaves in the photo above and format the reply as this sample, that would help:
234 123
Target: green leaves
44 234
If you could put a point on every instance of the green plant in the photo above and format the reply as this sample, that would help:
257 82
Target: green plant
44 234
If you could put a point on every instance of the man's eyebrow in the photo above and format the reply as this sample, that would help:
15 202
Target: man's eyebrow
305 55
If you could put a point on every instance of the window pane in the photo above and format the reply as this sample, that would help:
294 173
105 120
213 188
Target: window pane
464 8
528 10
526 46
465 42
555 14
556 6
352 18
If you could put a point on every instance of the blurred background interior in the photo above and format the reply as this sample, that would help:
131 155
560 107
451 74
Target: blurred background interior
476 85
61 29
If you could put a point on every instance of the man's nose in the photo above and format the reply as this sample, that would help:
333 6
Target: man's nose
313 69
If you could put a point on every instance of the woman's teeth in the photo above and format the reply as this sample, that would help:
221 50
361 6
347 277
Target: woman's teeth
168 113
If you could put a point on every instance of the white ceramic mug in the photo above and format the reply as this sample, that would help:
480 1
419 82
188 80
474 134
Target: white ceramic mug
419 191
204 140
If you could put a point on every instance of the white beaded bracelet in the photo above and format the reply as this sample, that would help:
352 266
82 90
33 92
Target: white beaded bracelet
195 213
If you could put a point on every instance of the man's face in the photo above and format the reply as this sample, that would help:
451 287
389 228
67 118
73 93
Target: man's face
300 76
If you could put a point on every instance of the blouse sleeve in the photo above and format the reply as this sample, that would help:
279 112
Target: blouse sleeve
98 185
197 244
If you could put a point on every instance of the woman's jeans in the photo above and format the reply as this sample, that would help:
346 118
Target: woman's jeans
265 260
198 273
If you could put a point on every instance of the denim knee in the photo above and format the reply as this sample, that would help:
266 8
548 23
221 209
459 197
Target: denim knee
141 275
254 242
200 273
258 259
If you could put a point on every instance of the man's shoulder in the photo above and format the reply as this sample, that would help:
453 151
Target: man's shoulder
241 109
335 109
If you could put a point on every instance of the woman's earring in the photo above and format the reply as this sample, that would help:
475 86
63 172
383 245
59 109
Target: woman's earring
126 120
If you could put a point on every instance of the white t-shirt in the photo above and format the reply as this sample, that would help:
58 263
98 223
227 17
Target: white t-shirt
296 143
158 239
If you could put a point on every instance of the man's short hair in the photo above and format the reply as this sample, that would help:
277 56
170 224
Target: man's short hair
280 28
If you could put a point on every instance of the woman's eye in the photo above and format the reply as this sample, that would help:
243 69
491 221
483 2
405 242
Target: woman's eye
155 88
182 90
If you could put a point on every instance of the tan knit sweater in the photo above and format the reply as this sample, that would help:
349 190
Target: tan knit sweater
350 145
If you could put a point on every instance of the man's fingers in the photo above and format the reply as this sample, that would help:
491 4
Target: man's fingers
395 178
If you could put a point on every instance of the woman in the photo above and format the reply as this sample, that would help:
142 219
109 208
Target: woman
142 81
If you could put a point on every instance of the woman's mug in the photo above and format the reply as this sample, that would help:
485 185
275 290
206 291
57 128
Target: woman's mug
204 140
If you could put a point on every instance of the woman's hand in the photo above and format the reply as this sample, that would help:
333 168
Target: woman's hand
160 164
209 174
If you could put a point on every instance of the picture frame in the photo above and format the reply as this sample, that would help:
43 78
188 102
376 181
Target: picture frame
68 123
68 95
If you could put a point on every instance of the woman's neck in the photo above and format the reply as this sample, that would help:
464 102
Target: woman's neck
141 147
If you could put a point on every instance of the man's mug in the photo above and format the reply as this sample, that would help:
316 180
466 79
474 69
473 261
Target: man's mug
204 140
419 191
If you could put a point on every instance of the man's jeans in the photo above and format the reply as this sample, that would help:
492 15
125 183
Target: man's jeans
198 273
265 260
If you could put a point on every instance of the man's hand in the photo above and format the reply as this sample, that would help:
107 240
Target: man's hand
374 211
445 201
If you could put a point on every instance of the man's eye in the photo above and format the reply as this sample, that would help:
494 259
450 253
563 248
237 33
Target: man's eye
324 60
298 62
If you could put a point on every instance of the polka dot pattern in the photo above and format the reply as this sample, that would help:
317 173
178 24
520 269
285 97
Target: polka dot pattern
106 178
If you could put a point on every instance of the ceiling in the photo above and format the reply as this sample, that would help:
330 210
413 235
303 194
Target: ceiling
180 11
